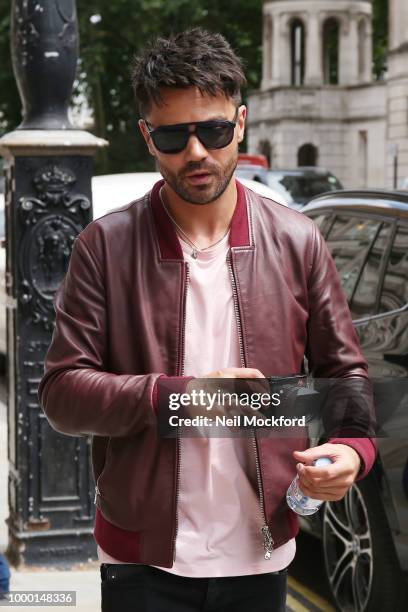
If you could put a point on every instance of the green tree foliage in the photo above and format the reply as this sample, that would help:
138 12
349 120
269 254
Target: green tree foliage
125 26
109 43
111 32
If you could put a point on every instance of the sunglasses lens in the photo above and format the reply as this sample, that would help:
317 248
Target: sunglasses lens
212 135
170 141
215 136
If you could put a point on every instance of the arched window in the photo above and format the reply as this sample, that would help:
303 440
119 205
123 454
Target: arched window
382 31
308 155
297 42
331 35
362 32
265 148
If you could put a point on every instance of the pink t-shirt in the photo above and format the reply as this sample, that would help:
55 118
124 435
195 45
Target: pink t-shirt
219 514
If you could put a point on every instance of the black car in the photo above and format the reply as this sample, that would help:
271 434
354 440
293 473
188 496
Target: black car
298 186
365 535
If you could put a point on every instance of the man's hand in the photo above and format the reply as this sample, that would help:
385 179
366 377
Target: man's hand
331 482
208 383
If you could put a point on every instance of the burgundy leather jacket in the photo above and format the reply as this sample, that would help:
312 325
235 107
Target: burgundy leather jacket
120 315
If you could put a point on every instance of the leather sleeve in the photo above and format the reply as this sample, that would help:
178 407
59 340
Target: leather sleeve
333 351
76 392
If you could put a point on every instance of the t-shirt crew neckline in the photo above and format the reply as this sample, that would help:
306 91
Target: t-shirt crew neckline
208 254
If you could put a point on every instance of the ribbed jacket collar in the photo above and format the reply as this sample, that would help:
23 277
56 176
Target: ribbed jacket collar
169 244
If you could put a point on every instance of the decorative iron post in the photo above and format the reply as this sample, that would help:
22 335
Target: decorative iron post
48 202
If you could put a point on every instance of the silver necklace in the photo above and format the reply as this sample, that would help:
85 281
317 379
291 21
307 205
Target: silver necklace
196 250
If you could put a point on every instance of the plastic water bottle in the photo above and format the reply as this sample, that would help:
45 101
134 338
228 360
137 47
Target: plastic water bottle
300 503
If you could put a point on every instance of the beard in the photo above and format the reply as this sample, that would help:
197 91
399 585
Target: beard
220 178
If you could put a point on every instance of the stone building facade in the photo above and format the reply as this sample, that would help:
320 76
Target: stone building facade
318 103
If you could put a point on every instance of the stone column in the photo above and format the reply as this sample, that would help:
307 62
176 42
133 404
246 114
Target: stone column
368 53
398 23
267 52
284 52
314 66
348 60
277 50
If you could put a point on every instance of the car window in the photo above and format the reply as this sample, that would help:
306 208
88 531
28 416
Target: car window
365 296
319 219
349 241
304 188
252 173
394 293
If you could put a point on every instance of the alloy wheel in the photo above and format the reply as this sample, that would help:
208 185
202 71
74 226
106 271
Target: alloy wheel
348 551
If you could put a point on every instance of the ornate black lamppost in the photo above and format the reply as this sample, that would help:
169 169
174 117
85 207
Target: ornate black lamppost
48 202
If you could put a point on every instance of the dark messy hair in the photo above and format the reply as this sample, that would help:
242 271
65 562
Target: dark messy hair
194 58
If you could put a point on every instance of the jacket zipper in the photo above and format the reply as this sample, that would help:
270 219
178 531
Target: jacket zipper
97 491
181 373
236 309
266 532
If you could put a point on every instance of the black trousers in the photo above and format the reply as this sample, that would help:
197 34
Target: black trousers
141 588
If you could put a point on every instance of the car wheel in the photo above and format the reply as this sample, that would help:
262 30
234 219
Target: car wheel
360 559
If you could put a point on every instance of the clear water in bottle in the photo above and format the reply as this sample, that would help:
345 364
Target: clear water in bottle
300 503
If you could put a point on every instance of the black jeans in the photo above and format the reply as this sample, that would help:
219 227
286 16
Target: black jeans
141 588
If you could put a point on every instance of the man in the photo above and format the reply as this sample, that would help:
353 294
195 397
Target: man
200 278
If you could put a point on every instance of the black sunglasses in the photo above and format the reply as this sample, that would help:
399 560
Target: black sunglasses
215 134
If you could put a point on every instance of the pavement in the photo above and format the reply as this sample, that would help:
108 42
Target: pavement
84 579
85 583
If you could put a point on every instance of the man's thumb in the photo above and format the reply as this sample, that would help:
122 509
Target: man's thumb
306 456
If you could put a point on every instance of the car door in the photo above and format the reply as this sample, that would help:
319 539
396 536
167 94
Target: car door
384 338
371 255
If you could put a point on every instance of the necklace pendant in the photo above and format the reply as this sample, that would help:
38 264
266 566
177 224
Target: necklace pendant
194 254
